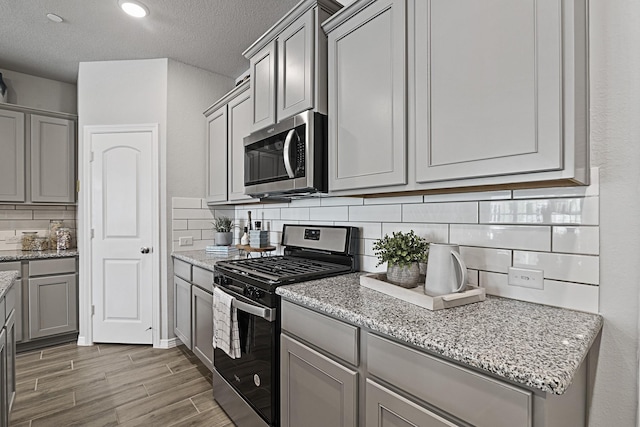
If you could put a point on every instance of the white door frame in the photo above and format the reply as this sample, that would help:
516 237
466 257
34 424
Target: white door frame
85 290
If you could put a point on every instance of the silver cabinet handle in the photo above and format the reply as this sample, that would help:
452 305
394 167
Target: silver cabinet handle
287 155
145 250
268 314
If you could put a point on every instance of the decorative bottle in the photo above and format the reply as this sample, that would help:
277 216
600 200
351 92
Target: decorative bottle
4 90
244 240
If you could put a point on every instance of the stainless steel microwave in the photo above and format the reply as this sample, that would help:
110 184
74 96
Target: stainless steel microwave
288 159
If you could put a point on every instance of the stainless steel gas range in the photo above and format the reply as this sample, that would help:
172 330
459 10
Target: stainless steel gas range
248 387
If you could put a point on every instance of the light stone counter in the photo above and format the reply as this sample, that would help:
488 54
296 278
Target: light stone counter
202 259
535 345
18 255
6 279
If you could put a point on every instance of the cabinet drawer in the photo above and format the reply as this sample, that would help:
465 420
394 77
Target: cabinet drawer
203 278
472 397
8 266
326 333
52 266
182 269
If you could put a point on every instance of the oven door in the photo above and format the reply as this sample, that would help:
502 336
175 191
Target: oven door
254 374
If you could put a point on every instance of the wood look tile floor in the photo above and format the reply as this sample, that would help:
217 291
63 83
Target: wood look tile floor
114 385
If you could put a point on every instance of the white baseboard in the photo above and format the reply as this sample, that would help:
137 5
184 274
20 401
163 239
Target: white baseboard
170 343
82 341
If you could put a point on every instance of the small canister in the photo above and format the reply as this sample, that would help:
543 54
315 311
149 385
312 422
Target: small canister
40 244
28 238
63 239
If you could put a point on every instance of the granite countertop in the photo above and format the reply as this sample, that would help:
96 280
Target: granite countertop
531 344
6 279
18 255
202 259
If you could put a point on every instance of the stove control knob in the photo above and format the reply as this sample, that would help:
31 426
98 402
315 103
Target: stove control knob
222 280
254 292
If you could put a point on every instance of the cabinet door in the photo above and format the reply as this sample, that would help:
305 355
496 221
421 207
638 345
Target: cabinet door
10 328
488 88
315 390
202 325
12 158
182 310
53 305
4 413
53 159
239 127
263 87
217 156
295 66
367 137
385 408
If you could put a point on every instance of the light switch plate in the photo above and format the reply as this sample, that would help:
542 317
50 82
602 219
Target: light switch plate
526 277
185 241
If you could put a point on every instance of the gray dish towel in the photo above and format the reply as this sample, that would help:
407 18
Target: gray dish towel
226 335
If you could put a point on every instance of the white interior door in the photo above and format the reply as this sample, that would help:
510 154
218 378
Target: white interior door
122 209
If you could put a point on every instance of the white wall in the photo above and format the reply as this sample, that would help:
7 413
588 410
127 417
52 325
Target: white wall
41 93
615 148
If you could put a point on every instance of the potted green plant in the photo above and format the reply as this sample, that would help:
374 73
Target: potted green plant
223 235
403 253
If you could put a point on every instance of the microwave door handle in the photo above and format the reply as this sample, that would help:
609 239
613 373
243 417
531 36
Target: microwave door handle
287 153
268 314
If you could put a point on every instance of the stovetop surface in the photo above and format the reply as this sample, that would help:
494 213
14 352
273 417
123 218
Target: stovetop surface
276 270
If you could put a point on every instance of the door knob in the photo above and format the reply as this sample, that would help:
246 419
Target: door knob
145 250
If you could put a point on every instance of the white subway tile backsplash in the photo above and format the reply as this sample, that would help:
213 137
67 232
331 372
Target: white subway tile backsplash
315 222
206 234
42 208
573 296
19 214
368 263
400 200
301 203
341 201
179 224
194 234
329 213
593 189
457 213
570 268
463 197
537 238
497 260
438 233
295 214
266 214
473 277
202 224
186 202
576 240
378 213
6 234
191 214
582 211
54 214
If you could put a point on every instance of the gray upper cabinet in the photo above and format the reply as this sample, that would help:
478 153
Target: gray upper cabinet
38 162
496 93
489 96
295 70
288 65
367 136
239 111
263 89
53 158
217 155
228 123
12 162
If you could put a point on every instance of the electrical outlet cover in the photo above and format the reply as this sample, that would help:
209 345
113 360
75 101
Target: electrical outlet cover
185 241
526 277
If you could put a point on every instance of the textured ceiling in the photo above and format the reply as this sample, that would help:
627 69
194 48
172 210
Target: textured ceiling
209 34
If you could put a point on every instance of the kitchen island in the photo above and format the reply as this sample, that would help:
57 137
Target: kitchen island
533 349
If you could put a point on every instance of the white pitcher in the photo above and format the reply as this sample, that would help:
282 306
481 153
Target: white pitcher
446 272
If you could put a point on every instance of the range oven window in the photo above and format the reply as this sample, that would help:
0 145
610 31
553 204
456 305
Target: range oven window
277 158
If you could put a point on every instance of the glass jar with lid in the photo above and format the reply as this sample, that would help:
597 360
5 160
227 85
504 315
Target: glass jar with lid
28 239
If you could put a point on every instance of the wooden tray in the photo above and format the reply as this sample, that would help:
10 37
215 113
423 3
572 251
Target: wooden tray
416 296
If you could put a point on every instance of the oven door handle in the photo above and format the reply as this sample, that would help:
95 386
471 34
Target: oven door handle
268 314
287 153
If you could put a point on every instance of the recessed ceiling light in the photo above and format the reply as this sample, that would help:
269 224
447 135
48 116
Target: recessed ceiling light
134 8
54 18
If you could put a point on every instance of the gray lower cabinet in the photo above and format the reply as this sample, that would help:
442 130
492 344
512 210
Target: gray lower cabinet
53 305
7 353
202 325
10 328
182 310
4 409
316 391
386 408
